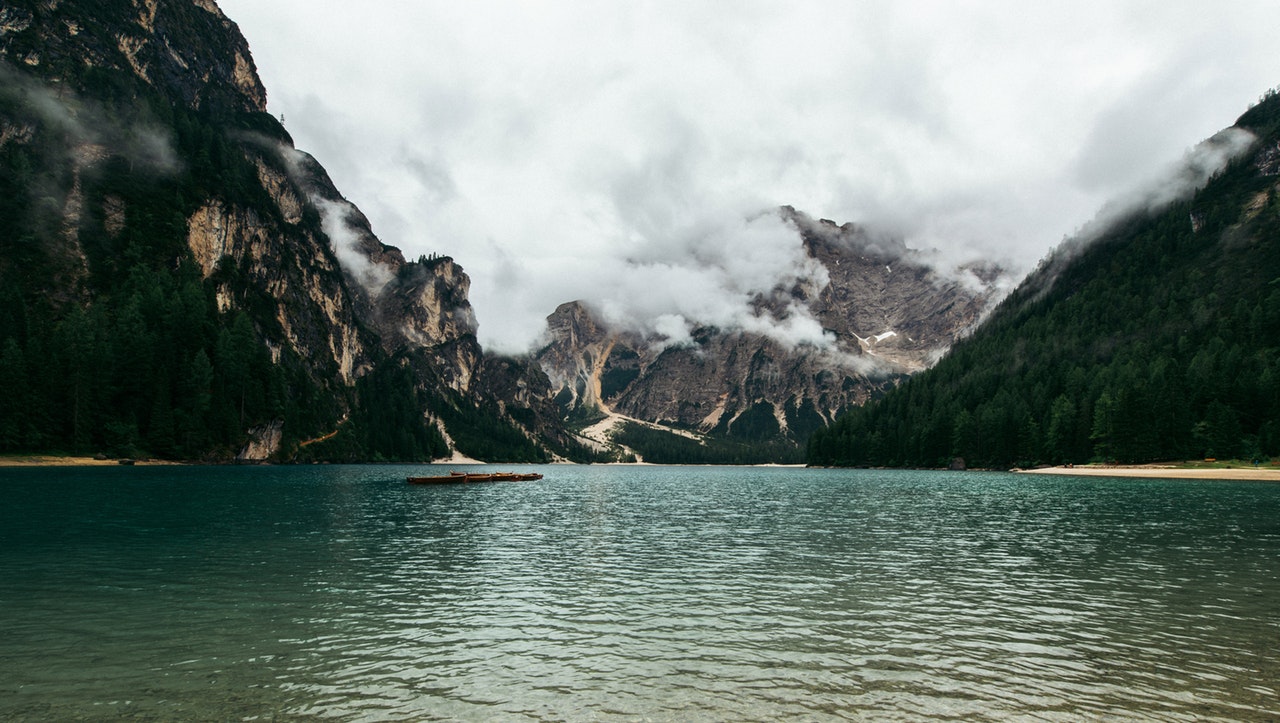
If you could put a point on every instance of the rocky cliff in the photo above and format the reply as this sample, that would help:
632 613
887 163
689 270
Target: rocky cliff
148 184
888 311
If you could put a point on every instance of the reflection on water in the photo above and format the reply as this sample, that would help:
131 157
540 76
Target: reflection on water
635 593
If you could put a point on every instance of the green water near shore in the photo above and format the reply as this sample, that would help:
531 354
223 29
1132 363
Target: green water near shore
623 593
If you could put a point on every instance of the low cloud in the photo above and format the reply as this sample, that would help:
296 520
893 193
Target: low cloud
1176 183
147 146
345 240
611 152
340 220
713 274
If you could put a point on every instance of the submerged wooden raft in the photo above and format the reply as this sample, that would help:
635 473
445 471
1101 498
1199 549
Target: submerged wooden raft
455 477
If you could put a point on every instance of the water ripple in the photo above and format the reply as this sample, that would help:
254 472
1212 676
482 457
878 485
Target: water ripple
639 594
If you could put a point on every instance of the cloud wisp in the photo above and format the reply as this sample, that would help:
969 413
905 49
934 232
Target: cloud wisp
148 146
712 275
1174 183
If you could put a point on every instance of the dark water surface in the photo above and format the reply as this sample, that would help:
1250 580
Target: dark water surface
625 593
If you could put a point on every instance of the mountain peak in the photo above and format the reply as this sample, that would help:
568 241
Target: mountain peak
884 309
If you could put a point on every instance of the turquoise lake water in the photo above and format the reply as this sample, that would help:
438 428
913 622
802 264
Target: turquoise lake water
635 593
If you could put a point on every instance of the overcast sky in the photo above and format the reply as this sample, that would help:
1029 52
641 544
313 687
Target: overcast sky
622 152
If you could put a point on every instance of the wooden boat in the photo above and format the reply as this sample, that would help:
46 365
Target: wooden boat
455 477
443 479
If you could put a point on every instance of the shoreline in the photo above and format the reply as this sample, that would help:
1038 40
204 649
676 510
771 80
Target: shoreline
57 460
1261 473
1166 470
457 460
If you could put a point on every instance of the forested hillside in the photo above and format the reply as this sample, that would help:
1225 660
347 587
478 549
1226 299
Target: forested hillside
110 339
1158 340
176 280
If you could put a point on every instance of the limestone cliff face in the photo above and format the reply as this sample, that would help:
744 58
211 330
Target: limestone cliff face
894 303
705 385
425 307
887 310
574 360
265 264
708 385
341 297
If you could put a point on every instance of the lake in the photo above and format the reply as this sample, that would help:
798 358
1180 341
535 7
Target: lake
635 593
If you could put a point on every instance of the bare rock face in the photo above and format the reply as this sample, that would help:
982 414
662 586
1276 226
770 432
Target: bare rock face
337 276
575 360
426 305
264 443
705 385
708 385
258 263
888 312
189 51
890 301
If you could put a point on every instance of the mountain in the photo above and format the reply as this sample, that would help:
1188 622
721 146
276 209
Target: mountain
734 395
178 280
1152 337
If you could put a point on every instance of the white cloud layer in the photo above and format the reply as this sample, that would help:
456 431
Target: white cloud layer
621 152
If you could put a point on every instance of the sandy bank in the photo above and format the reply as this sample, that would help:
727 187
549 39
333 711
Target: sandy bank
48 460
1263 472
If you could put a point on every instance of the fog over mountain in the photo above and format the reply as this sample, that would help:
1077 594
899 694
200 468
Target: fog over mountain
631 155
